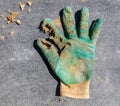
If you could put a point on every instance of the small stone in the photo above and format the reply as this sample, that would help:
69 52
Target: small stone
18 22
29 3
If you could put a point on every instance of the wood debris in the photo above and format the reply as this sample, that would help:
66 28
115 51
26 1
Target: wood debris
12 17
29 3
22 6
18 22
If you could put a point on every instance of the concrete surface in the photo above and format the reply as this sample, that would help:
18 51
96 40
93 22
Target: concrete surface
24 78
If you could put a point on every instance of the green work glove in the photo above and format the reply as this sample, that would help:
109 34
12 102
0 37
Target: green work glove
72 59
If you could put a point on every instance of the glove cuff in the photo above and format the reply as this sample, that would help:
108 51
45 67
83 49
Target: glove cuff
78 91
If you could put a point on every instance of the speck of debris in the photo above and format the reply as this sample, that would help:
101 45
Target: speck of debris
2 37
12 32
84 1
18 22
12 17
29 3
3 26
98 79
2 16
59 99
22 6
29 10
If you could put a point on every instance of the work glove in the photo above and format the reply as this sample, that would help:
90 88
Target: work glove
71 56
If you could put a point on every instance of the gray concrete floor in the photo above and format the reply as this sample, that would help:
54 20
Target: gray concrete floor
25 79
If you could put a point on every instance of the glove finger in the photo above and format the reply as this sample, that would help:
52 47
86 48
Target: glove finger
50 28
95 30
49 52
69 22
84 23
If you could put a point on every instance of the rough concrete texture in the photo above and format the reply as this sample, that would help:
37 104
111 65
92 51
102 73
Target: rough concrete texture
24 78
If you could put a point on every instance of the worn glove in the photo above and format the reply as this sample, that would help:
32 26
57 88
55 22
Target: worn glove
71 56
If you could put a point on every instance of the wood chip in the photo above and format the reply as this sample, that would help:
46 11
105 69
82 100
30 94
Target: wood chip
29 3
18 22
22 6
12 17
